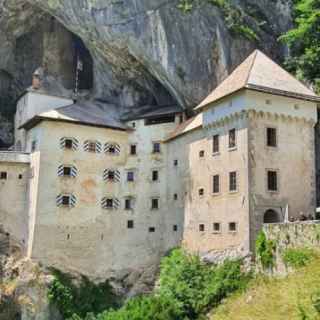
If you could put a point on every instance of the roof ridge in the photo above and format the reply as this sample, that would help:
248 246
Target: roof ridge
255 53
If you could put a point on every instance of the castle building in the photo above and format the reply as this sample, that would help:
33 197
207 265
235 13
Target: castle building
91 192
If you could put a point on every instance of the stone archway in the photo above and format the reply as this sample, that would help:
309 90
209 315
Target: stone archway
271 216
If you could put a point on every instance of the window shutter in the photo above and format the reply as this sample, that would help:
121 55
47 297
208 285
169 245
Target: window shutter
75 144
116 175
116 203
73 200
59 200
62 142
60 171
74 171
86 145
98 147
114 146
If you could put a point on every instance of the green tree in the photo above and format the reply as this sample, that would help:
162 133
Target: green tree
304 41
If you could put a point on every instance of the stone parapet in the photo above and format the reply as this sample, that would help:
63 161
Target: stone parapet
14 157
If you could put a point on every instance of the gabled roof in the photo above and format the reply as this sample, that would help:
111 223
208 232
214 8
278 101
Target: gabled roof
258 72
86 113
185 127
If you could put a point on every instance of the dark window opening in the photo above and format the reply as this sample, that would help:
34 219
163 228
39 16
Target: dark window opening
128 204
175 163
155 175
109 203
156 147
201 192
271 216
201 227
175 227
155 203
133 149
175 196
233 181
130 176
68 144
271 137
232 227
130 224
272 181
112 149
20 176
66 200
216 227
66 171
232 138
159 120
215 147
92 147
201 154
111 175
216 183
3 175
152 229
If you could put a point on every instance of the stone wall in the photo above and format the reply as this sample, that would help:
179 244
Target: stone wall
292 235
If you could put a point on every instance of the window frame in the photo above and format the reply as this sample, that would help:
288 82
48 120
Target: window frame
267 137
214 229
235 182
130 224
276 171
202 227
213 184
154 149
153 201
215 152
236 227
155 175
234 145
132 174
133 147
3 175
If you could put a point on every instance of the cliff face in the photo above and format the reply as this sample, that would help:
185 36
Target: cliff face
135 52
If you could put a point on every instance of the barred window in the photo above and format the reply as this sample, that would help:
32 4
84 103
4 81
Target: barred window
69 143
216 183
233 181
232 138
215 144
130 224
66 200
156 147
271 137
155 175
133 149
272 180
111 175
112 148
67 171
92 146
110 203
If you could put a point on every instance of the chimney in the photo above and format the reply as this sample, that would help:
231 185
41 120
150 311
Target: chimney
36 79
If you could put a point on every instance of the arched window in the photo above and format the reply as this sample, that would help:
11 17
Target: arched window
271 216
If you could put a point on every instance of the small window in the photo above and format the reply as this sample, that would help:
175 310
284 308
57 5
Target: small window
272 180
3 175
130 224
155 175
66 200
175 228
233 181
111 175
156 147
68 144
271 137
128 204
152 229
33 146
133 124
268 101
216 227
133 149
112 149
201 192
232 138
201 153
201 227
232 227
175 196
175 162
109 203
130 176
92 146
216 183
20 176
155 203
67 171
215 144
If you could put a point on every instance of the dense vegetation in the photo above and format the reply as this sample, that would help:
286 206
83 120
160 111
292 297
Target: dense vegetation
265 251
297 257
188 288
304 42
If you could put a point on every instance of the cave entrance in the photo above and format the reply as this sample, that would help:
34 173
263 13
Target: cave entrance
82 61
271 216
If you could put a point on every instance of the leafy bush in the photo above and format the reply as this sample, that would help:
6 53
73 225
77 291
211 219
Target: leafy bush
265 250
73 301
316 301
297 258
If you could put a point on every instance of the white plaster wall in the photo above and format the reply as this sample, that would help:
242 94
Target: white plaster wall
88 238
14 198
31 104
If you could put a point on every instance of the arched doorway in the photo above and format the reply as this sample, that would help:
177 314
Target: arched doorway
271 216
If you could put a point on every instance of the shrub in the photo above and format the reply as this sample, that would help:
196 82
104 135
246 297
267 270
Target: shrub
77 301
265 250
297 258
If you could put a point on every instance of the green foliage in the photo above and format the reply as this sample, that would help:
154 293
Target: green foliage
265 250
196 286
76 301
188 289
316 301
235 18
304 41
297 258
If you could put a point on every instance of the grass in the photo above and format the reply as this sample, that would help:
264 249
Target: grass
275 298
